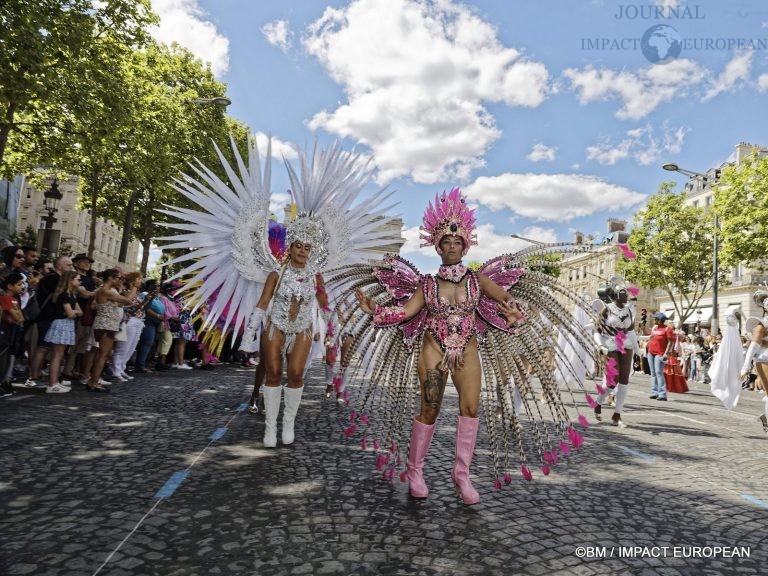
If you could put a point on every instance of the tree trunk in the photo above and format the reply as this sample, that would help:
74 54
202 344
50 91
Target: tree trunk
128 224
147 229
94 215
5 130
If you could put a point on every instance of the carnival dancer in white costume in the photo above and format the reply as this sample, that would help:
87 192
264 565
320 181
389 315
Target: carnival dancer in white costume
575 355
230 255
615 336
725 382
758 350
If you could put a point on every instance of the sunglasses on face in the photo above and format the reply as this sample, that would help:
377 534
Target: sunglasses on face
18 256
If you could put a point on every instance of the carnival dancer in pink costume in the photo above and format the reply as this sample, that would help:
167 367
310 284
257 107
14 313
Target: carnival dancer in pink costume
466 324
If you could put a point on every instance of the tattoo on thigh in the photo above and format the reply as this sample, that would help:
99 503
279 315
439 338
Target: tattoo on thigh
434 386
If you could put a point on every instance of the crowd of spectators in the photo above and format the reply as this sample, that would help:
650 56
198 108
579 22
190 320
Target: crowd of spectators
64 323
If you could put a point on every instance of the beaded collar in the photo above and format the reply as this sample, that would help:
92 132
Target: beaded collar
453 273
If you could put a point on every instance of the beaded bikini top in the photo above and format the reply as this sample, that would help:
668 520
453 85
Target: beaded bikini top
452 325
296 284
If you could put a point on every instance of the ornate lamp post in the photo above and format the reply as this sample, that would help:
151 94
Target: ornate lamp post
52 198
698 322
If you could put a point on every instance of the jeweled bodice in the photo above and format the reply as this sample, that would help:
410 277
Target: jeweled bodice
295 285
452 325
617 319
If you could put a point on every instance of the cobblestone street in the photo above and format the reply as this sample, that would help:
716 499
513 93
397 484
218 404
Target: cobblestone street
87 487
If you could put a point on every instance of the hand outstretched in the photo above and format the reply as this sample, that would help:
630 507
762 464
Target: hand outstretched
367 305
510 311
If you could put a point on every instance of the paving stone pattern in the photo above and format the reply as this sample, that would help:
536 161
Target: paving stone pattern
79 473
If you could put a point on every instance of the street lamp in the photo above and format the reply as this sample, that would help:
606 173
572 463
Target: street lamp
714 324
526 239
216 101
698 322
52 197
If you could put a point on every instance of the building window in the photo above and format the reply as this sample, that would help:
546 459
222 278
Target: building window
695 203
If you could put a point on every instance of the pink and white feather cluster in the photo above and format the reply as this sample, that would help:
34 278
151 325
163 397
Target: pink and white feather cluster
449 216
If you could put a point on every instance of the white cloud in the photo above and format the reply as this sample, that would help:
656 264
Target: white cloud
278 34
666 4
553 197
762 83
278 202
641 92
280 148
416 75
640 144
490 243
183 21
736 72
542 152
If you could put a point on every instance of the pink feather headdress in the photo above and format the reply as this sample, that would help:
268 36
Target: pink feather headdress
449 216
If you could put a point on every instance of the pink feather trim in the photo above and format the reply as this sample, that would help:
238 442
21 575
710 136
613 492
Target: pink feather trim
545 470
633 290
590 400
620 337
611 371
600 388
526 472
626 252
583 421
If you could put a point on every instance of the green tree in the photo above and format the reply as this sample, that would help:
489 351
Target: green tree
167 132
50 50
673 243
741 203
27 237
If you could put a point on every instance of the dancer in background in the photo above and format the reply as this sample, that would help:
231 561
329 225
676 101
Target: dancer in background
758 350
617 340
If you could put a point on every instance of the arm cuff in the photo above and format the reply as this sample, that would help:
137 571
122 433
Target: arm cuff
385 316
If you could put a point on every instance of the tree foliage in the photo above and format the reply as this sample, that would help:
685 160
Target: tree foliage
51 57
741 203
674 247
27 237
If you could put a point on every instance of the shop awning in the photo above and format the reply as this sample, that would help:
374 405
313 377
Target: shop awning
706 314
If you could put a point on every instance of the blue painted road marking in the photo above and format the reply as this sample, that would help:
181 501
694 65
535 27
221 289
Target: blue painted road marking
218 433
173 482
638 454
754 500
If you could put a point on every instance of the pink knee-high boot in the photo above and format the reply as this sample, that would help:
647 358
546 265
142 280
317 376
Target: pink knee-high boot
421 437
466 436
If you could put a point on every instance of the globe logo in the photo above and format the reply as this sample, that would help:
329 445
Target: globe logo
661 44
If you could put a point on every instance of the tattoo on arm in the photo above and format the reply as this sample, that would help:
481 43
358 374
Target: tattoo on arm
434 386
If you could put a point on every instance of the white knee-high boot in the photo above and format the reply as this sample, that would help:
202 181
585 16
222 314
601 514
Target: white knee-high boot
272 396
292 401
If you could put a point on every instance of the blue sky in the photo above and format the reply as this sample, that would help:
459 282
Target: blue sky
505 99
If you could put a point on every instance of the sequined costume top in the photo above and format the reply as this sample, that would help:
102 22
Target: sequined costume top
616 326
294 285
452 325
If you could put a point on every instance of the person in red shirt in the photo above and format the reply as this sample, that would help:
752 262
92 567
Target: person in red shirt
11 321
659 346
